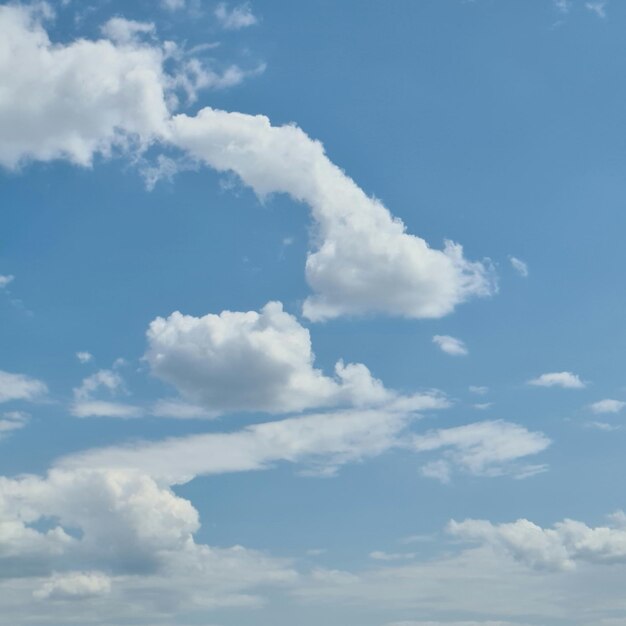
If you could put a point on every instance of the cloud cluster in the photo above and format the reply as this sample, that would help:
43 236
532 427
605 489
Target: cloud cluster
94 97
559 548
111 533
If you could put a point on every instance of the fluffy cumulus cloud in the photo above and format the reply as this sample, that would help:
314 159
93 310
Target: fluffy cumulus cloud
76 100
567 380
258 361
450 345
125 524
20 387
558 548
363 260
73 101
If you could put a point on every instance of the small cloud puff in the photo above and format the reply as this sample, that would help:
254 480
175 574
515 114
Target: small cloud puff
521 267
479 390
567 380
450 345
84 357
607 406
5 280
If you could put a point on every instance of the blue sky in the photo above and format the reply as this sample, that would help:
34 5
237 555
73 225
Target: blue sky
312 313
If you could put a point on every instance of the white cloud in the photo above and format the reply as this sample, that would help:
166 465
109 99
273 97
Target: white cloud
249 361
129 538
557 548
567 380
481 391
85 405
6 280
20 387
598 7
481 406
103 408
178 409
607 406
116 92
121 97
450 345
379 555
74 586
12 421
322 443
440 470
602 426
484 448
519 266
363 260
563 6
236 18
84 357
123 31
107 379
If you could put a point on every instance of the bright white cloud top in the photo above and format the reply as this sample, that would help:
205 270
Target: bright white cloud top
249 361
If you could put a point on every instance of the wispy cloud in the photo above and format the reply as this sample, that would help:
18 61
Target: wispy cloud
521 267
236 18
450 345
598 7
607 406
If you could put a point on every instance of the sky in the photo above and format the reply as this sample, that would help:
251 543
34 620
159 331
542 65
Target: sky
312 313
